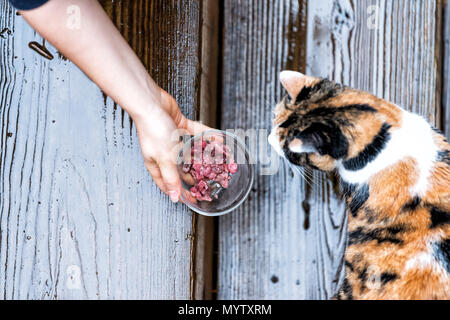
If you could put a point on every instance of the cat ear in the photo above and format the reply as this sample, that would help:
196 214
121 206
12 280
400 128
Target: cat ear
294 82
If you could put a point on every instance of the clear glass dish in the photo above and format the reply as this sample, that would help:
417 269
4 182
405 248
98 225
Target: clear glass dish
239 185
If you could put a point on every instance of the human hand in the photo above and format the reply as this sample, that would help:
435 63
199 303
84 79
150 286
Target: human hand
159 128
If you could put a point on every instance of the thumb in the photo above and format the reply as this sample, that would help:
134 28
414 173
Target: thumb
171 179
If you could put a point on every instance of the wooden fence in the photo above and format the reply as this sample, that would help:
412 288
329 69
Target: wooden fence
79 215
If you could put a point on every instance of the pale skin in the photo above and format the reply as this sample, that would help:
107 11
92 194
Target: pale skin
100 51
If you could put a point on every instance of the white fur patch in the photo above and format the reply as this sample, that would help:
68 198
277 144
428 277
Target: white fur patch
426 259
421 261
413 139
275 142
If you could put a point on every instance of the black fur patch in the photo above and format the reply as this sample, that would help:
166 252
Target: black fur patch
321 91
359 198
305 94
442 253
329 112
412 205
436 130
443 156
380 235
363 277
371 151
394 229
346 291
349 265
327 138
438 217
370 215
324 132
292 119
347 189
386 277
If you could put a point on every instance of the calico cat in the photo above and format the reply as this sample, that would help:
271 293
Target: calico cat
395 176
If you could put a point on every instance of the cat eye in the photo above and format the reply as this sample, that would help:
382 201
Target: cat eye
287 102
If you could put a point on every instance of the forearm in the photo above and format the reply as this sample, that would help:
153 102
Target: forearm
99 50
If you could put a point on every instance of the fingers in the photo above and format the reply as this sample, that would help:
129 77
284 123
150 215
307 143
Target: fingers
193 127
163 169
187 177
153 168
167 182
171 179
187 196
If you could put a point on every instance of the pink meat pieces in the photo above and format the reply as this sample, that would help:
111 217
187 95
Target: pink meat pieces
212 162
232 168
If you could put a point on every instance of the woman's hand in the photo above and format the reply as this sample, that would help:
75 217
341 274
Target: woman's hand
159 129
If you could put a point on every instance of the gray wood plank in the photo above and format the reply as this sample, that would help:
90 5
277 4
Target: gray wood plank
286 240
79 214
446 73
265 251
389 48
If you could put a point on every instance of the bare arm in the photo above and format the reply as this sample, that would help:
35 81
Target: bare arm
100 51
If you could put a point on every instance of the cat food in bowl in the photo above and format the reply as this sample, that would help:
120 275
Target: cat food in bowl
215 171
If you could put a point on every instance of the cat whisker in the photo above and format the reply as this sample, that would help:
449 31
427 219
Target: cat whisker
302 174
309 174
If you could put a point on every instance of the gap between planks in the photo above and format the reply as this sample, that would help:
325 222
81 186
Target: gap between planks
445 123
202 268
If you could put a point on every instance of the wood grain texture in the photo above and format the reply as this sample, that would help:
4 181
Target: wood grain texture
389 48
79 214
446 72
205 226
265 249
285 241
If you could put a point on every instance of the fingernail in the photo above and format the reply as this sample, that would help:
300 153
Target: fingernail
173 196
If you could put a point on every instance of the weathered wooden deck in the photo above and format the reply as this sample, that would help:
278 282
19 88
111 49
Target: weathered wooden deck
79 215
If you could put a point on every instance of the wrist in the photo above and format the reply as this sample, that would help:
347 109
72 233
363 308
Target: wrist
142 110
144 102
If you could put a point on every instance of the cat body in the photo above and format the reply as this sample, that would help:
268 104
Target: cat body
395 176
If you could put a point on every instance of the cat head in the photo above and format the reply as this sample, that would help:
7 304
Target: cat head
322 124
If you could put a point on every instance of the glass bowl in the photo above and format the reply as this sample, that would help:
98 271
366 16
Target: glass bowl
223 200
